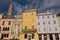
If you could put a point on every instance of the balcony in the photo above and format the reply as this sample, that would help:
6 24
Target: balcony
29 30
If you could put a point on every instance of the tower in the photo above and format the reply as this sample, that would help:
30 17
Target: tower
10 11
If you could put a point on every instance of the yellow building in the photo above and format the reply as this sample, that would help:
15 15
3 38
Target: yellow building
29 25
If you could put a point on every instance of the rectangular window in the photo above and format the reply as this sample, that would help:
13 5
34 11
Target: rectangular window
55 29
25 27
49 29
32 36
5 35
48 22
43 17
44 23
38 17
32 14
5 28
38 23
32 20
54 22
47 16
33 27
53 16
44 29
25 36
9 23
3 23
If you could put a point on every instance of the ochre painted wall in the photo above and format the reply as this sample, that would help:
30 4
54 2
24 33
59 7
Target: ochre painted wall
27 21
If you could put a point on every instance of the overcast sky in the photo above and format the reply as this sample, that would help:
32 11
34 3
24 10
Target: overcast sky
19 5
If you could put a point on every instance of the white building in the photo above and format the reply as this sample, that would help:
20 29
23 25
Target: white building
16 29
47 26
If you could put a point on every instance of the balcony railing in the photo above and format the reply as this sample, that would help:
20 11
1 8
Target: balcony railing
29 30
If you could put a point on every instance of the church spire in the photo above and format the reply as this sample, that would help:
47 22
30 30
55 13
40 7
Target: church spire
10 11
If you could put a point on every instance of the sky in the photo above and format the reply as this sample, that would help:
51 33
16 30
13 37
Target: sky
19 5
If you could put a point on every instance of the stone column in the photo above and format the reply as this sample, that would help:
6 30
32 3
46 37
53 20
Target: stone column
53 37
42 37
48 38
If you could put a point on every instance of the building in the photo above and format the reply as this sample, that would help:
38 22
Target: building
10 28
16 29
6 25
29 27
47 26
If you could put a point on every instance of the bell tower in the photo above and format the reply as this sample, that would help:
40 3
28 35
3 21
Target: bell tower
10 11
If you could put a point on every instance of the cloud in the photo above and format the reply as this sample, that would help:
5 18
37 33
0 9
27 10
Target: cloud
17 9
41 5
50 3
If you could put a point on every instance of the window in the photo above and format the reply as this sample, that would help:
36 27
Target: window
9 23
5 35
3 22
43 17
25 36
38 23
44 23
5 28
55 29
32 20
47 16
32 14
48 22
49 29
33 27
32 36
38 29
25 27
54 22
44 29
53 16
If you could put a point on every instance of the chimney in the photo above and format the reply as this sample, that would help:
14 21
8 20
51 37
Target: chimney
10 11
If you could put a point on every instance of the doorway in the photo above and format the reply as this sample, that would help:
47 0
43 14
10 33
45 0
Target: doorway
40 37
51 37
45 37
57 36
